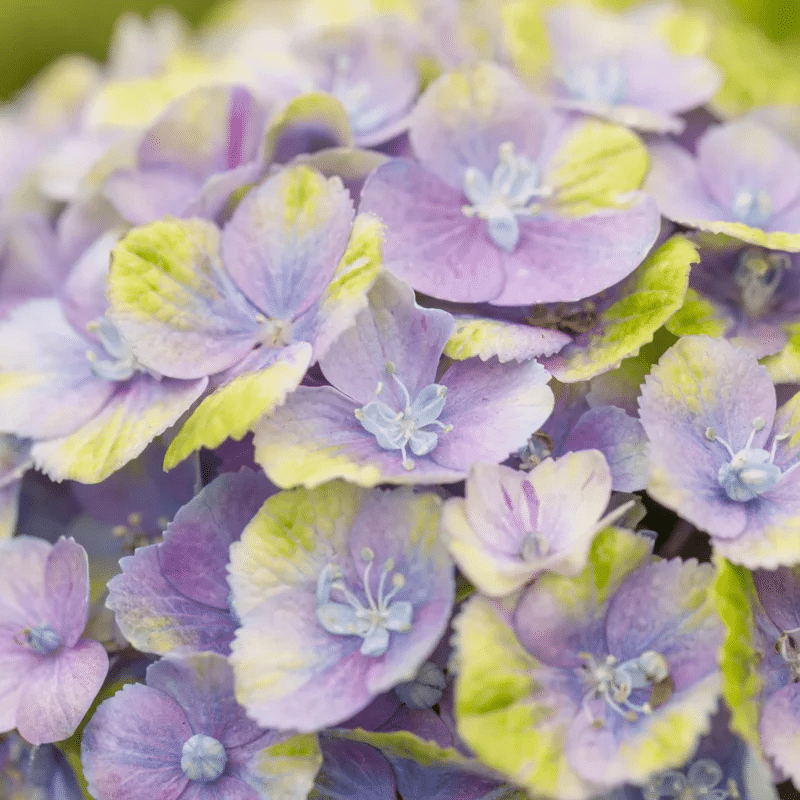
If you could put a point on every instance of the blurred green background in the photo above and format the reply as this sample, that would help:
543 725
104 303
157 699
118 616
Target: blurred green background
34 32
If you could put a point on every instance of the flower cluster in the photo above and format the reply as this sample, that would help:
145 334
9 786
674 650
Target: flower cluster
397 401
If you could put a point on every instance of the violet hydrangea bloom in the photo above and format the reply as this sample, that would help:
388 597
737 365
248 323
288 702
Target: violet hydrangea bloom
742 182
620 68
182 735
253 304
49 674
514 525
596 680
342 594
173 597
509 204
721 456
390 415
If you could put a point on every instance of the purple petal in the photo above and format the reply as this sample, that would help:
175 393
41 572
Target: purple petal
147 195
226 787
392 329
56 695
66 579
354 770
194 553
157 619
428 240
202 685
132 746
779 728
493 409
779 592
49 388
286 238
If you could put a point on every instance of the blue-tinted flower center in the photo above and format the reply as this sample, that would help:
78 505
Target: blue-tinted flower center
356 97
425 690
121 363
397 429
203 758
42 639
757 274
751 470
372 619
274 332
510 193
600 83
699 783
614 683
524 513
786 645
753 207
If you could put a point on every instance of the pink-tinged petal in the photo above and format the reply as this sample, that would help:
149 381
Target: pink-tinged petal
202 685
155 618
56 695
226 787
315 437
429 241
493 409
285 240
174 302
620 438
675 182
208 130
23 600
47 387
140 409
392 329
131 747
463 117
779 728
194 554
16 663
743 155
702 383
569 259
143 196
66 580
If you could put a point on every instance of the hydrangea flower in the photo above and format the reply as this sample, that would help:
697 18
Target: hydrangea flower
720 454
514 525
620 68
14 460
742 182
509 204
182 735
354 587
391 414
71 383
173 597
253 305
598 680
40 772
49 674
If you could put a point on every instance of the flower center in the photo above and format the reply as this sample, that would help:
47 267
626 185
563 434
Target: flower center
538 448
43 639
274 332
524 517
425 690
514 185
757 274
786 646
396 430
753 207
751 470
614 683
699 783
121 363
371 621
203 758
601 82
354 95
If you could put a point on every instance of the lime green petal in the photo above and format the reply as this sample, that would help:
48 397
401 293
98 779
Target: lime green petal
698 315
133 417
778 240
734 594
526 37
231 411
649 297
346 294
286 771
499 703
490 338
596 164
784 367
316 110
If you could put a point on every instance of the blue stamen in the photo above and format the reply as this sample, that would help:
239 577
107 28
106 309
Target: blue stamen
203 758
43 639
